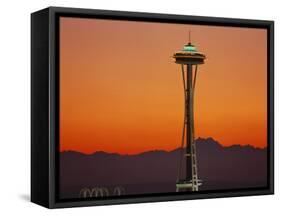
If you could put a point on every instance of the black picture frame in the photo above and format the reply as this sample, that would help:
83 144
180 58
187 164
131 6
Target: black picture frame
45 104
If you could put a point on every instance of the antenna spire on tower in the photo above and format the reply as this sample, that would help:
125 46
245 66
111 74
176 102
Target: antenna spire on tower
189 37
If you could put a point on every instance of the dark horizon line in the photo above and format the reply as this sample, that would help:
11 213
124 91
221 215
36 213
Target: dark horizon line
162 150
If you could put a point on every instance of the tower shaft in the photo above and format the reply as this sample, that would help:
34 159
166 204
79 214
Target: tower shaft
190 179
188 118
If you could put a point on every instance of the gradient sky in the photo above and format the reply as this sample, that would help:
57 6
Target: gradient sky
120 90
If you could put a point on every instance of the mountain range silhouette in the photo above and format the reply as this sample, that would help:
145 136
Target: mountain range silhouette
219 167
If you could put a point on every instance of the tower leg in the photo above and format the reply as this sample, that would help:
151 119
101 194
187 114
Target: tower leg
188 122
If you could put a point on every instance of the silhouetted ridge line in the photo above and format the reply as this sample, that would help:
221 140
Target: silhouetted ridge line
200 141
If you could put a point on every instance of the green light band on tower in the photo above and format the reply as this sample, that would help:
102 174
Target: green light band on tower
189 48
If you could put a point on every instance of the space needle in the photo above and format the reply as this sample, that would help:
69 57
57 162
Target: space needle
189 59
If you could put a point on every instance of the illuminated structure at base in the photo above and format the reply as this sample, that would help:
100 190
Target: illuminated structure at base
189 59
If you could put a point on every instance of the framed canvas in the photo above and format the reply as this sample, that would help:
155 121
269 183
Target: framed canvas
139 107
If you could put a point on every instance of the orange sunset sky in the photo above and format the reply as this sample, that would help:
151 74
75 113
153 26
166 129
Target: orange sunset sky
120 90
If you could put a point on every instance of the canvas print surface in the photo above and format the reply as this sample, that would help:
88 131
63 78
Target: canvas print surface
157 108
